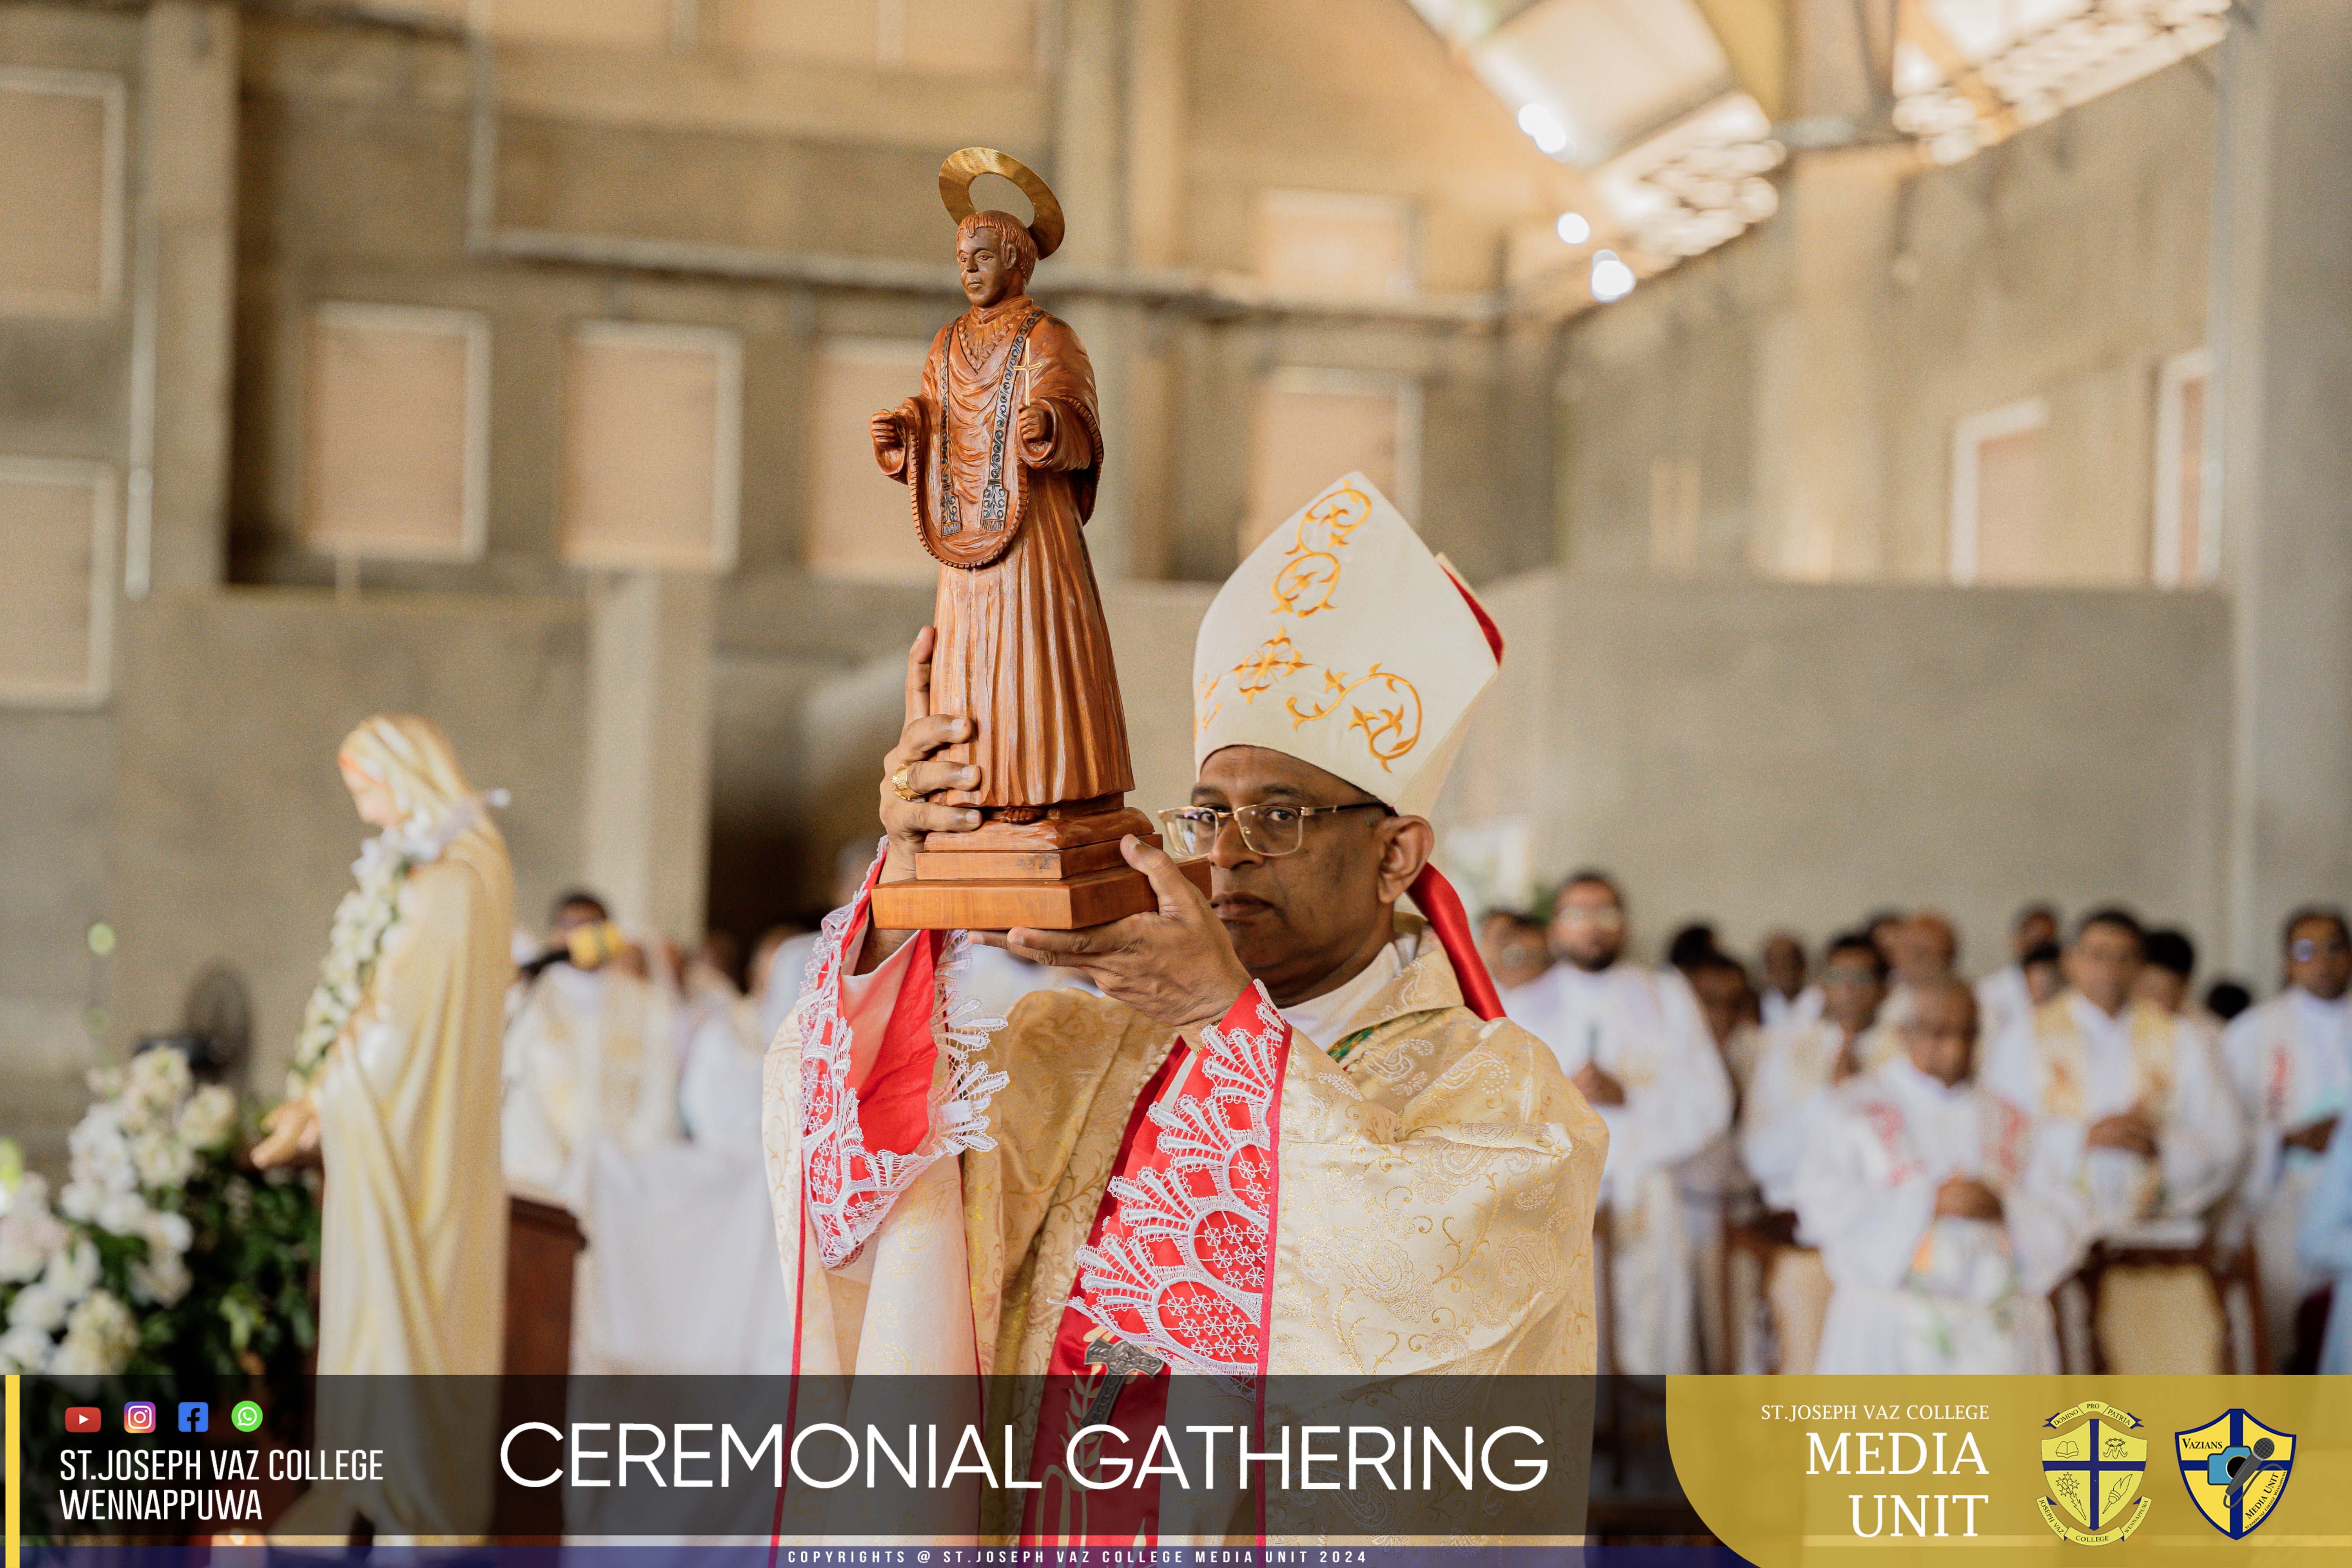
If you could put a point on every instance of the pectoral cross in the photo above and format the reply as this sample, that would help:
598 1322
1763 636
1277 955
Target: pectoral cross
1120 1361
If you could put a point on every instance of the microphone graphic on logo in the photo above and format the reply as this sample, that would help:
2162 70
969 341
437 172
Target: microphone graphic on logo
2243 1467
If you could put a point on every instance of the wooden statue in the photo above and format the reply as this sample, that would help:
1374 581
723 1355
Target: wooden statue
1000 452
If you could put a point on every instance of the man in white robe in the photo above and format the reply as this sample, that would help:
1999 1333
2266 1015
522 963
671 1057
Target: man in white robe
1796 1065
1923 948
2004 999
1632 1040
2291 1060
1942 1224
1796 1062
2153 1127
1787 997
2148 1128
590 1059
590 1105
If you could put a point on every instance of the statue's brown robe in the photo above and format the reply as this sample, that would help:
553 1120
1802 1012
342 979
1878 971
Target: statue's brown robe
1022 650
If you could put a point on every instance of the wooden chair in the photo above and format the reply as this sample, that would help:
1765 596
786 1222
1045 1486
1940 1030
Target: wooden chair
2232 1272
1761 1238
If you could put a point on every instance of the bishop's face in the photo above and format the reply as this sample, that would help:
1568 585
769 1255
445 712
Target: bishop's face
1296 920
987 266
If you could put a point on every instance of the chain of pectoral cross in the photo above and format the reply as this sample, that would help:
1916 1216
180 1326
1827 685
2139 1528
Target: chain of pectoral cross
1120 1361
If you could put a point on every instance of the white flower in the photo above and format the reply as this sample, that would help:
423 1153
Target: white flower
100 1336
163 1278
208 1119
166 1231
158 1079
39 1307
29 1236
25 1351
125 1214
161 1160
30 1233
73 1270
364 922
101 1154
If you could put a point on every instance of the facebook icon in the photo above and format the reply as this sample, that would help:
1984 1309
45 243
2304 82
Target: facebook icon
194 1416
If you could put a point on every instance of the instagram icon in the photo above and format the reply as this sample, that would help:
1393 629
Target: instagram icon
139 1415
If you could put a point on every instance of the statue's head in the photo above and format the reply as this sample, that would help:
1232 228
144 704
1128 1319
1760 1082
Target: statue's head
399 767
995 254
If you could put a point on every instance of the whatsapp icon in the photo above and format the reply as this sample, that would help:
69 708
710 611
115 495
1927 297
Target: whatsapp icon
246 1415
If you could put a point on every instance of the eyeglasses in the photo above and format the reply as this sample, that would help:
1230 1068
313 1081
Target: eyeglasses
2305 949
1268 830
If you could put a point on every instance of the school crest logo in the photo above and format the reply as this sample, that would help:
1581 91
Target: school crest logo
2235 1469
2092 1464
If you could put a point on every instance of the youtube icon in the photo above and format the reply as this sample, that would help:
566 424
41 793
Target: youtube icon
85 1418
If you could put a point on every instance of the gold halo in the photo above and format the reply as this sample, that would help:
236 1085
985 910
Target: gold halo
962 168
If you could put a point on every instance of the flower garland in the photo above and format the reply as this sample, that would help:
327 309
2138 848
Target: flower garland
364 922
363 926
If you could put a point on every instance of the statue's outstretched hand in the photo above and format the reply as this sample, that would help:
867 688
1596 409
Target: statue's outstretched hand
1174 965
1037 425
291 1130
890 439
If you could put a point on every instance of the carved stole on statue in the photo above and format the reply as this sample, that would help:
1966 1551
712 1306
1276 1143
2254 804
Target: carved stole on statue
951 537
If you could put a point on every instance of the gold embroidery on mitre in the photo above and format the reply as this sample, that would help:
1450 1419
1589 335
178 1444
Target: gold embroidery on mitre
1304 584
1389 732
1311 562
1205 707
1271 661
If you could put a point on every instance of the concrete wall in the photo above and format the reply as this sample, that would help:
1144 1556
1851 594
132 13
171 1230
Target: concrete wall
1764 754
1758 754
1810 373
233 835
354 149
53 815
800 737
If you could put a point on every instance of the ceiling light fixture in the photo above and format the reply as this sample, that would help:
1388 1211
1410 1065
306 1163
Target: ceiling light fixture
1612 279
1544 128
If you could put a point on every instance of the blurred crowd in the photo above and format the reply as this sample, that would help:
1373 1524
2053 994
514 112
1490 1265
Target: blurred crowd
1841 1157
1855 1158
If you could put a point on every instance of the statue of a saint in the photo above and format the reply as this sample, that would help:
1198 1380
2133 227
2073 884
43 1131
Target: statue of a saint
1000 451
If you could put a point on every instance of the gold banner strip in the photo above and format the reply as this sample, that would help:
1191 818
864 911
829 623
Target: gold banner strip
16 1480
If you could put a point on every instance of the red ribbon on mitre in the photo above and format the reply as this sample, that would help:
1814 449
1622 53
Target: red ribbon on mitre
1434 896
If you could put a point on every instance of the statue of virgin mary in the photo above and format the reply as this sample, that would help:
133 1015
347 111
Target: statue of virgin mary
396 1083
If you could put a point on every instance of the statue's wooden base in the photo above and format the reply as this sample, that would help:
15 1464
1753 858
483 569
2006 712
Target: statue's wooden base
1062 872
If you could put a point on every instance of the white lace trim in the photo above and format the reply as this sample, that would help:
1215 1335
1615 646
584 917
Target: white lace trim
851 1188
1214 1296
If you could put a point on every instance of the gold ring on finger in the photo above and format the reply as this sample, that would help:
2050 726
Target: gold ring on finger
900 785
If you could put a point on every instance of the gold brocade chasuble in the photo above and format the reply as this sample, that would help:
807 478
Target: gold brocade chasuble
1430 1208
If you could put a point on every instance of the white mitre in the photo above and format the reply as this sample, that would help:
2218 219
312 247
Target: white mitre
1344 642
